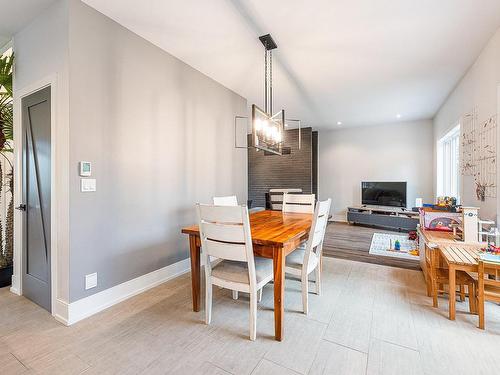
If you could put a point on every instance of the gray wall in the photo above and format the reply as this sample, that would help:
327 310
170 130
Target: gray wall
287 171
160 137
42 51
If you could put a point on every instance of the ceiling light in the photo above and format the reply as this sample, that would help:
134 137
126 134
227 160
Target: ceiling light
339 122
398 116
268 127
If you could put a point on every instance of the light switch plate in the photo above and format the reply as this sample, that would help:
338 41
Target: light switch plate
90 281
87 185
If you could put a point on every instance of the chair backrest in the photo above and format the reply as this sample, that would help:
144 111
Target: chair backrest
225 234
489 285
276 197
302 203
318 229
230 200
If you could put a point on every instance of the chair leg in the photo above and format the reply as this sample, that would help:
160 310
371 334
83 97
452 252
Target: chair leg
235 294
428 285
305 294
259 294
481 308
434 288
208 302
318 280
462 293
253 316
472 298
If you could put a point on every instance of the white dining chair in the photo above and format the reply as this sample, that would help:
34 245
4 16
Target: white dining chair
225 234
275 197
229 200
307 258
302 203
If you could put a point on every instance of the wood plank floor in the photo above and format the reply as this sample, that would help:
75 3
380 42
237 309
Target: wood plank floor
370 319
353 242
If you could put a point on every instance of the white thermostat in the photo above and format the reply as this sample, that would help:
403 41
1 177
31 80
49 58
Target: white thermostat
85 168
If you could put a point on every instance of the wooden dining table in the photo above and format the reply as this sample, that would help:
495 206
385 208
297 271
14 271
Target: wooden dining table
274 235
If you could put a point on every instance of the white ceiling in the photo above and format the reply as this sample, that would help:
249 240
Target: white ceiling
361 62
15 14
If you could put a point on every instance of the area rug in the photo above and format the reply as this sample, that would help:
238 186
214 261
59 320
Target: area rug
383 244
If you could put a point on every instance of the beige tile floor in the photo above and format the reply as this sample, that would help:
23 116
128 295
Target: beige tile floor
370 319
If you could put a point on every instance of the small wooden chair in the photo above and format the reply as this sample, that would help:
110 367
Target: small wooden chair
488 289
440 277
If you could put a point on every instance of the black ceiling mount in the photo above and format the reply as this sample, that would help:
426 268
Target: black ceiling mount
268 42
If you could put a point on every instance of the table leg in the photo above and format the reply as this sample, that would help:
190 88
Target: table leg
279 293
452 292
194 250
433 280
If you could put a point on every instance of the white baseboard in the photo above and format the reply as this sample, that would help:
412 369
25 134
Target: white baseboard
70 313
14 288
61 311
341 218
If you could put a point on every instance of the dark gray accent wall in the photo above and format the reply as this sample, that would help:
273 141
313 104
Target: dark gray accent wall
286 171
315 163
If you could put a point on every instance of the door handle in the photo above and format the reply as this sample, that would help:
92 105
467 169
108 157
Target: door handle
21 207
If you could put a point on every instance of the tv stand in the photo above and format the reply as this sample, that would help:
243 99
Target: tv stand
382 216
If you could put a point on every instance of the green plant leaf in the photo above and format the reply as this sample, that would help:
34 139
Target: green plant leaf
6 64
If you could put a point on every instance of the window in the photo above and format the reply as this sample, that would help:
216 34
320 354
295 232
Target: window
448 164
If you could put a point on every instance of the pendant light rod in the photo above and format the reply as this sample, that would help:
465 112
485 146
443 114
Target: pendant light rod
269 45
265 80
271 81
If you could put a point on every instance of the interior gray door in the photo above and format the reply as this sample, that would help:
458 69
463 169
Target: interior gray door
36 197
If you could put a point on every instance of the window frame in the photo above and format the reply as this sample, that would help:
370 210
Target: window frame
448 176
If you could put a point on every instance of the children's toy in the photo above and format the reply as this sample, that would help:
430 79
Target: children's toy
439 220
494 238
493 242
397 245
446 204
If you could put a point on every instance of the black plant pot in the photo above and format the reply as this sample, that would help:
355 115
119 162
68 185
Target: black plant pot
6 276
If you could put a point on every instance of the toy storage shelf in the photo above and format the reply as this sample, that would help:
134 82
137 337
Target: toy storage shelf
386 217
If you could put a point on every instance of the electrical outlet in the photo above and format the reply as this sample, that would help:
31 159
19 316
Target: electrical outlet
90 281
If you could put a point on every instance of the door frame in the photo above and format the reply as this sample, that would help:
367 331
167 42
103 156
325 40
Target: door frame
17 286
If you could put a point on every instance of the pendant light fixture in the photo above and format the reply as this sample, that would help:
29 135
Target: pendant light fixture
268 128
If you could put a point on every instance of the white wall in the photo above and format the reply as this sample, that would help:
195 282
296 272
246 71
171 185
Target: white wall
478 88
395 152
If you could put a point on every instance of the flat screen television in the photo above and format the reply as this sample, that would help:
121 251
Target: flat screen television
379 193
